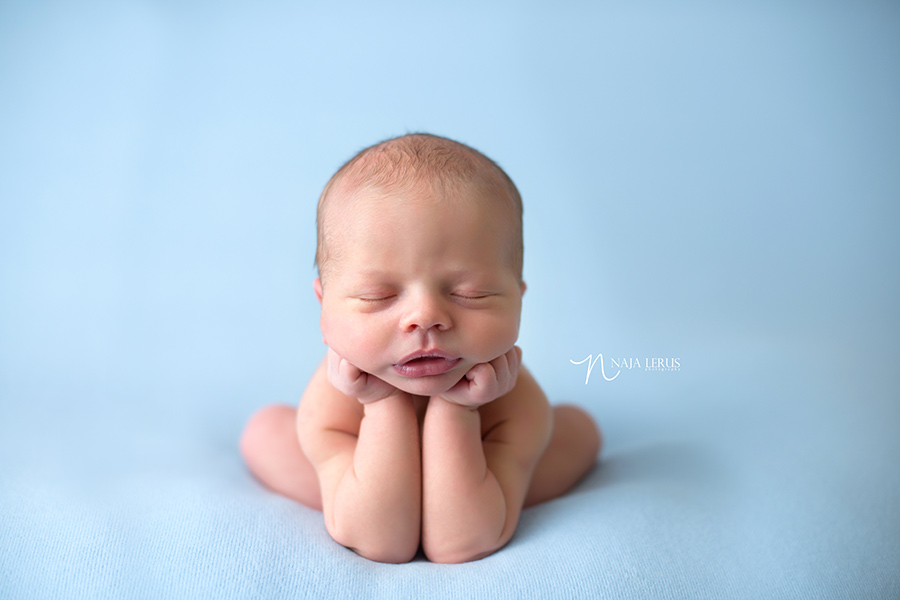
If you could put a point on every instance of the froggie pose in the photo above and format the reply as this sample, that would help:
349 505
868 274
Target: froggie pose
420 427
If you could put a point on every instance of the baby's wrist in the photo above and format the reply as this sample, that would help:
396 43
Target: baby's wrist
449 403
397 397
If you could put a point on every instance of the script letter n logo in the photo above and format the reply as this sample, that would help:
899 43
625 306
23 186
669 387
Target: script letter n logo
591 361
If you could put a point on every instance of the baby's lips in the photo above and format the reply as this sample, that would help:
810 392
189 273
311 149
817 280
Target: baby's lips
425 354
426 365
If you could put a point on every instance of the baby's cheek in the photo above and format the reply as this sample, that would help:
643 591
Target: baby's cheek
494 338
335 332
356 341
349 343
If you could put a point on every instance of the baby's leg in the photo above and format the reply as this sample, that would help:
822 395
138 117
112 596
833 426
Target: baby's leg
571 453
272 451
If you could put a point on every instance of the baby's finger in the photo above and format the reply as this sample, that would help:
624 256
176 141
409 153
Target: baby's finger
497 369
507 369
515 359
499 364
334 363
518 354
348 371
342 373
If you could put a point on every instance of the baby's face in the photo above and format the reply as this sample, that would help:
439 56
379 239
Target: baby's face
420 289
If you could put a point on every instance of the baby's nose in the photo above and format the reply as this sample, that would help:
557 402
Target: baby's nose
426 311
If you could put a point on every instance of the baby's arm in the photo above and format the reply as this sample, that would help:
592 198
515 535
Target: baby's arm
367 459
475 481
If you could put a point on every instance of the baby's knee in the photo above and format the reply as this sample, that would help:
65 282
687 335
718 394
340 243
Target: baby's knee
573 423
263 425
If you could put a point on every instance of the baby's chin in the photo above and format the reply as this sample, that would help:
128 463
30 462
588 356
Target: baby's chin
424 386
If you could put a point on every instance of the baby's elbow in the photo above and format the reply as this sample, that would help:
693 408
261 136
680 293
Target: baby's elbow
386 553
377 548
462 550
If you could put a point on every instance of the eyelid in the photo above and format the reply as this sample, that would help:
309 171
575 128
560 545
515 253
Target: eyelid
375 293
473 295
464 295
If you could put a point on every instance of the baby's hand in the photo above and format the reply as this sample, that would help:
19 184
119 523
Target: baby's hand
485 382
349 379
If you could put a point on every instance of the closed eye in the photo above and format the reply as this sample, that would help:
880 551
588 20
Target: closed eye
472 297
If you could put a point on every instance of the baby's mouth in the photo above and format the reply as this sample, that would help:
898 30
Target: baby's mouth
426 364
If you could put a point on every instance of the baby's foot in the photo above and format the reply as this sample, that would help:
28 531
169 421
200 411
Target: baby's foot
485 382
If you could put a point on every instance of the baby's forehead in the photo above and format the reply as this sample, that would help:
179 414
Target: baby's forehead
463 197
377 233
420 167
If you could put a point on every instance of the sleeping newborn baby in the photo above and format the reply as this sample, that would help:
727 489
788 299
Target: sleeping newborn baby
420 426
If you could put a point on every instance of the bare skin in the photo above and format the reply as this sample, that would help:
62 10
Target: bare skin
567 447
421 428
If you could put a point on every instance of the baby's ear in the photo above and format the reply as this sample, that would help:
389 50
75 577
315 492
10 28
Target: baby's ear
317 287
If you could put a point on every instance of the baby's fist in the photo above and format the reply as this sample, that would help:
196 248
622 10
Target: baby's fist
350 380
485 382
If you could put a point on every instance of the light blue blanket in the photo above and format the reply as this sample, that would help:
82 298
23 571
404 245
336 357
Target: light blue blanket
708 184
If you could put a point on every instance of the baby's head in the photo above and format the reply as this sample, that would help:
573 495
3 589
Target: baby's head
419 254
414 165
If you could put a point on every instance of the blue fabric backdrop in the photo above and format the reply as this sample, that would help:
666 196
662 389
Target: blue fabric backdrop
717 183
